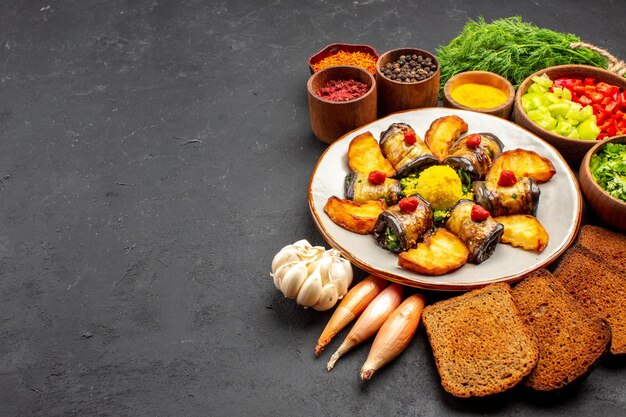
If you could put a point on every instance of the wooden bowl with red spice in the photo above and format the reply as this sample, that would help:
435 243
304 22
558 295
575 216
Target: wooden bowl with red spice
341 54
341 99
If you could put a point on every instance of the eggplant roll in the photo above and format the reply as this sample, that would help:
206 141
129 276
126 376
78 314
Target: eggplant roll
476 161
520 198
358 189
480 238
397 231
406 159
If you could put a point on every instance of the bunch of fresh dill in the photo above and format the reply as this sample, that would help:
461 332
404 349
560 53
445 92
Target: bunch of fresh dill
511 48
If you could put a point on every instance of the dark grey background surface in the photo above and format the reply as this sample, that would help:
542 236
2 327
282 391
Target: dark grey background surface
154 156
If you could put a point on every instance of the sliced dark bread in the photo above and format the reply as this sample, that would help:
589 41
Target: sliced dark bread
608 245
481 344
598 289
570 341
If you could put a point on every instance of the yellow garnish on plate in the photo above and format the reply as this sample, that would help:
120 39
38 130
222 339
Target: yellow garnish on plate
439 185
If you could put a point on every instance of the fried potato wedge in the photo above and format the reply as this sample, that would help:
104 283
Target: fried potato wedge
364 155
442 133
523 163
523 231
440 253
356 217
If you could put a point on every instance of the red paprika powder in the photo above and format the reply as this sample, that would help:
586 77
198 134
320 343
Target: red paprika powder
342 90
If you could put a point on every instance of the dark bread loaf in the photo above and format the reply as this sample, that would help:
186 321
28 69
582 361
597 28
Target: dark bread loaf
598 288
481 344
610 246
570 341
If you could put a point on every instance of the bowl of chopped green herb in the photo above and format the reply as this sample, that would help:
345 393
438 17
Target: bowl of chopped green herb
603 181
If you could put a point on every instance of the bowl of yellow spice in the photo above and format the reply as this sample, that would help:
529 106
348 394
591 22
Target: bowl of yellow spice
480 91
340 54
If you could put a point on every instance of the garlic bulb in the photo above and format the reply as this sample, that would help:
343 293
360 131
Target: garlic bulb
311 275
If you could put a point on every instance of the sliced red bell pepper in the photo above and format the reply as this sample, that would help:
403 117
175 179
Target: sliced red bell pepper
611 106
589 81
596 97
607 89
612 129
590 89
597 108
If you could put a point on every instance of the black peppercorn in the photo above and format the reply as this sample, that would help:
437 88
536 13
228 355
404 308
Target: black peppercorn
410 68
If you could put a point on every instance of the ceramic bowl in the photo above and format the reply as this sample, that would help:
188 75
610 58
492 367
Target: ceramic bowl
395 95
332 119
485 78
609 209
333 48
573 150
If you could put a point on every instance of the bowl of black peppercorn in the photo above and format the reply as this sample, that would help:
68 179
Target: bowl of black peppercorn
407 78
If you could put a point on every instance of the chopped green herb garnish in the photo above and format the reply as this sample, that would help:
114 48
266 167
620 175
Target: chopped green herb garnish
466 182
608 168
393 242
409 184
440 217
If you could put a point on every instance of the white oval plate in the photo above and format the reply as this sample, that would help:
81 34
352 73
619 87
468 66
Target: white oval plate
559 207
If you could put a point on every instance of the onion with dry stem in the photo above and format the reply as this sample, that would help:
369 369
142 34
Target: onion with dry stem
353 304
370 321
394 335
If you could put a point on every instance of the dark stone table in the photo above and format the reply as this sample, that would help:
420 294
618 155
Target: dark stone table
154 156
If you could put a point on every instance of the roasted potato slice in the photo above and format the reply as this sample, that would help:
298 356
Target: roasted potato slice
364 155
440 253
355 217
523 163
442 133
523 231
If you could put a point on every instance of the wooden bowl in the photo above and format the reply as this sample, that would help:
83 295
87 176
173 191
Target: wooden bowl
333 48
609 209
485 78
573 150
332 119
394 95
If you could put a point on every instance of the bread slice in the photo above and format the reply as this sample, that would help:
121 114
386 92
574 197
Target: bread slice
570 341
610 246
481 344
598 288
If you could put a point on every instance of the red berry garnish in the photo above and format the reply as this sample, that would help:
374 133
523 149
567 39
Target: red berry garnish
409 137
473 141
409 204
376 177
507 178
479 214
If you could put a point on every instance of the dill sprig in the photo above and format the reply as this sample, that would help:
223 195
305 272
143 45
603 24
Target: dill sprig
511 48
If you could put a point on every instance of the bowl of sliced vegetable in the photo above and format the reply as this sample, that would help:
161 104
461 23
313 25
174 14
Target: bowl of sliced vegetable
603 181
572 107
